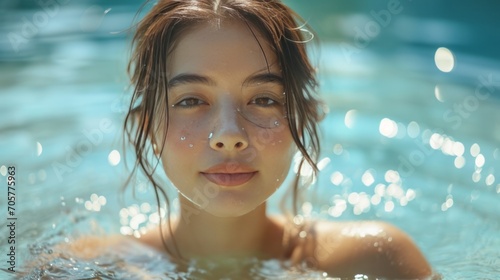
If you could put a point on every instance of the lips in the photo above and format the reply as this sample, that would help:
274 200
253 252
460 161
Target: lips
229 174
229 179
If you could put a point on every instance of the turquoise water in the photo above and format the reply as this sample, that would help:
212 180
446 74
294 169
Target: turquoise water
403 141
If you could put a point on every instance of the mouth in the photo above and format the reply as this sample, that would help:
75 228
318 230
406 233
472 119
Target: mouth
229 179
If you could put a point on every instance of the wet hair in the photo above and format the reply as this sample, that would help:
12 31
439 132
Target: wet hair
155 38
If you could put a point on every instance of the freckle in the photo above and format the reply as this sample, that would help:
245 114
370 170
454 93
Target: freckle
183 138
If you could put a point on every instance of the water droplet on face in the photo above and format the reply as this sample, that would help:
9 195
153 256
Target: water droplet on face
191 145
183 138
210 135
276 123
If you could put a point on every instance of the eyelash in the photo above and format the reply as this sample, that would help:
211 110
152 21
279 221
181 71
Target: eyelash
273 101
270 102
185 100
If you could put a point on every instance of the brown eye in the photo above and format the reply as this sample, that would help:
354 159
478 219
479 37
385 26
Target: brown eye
190 102
264 101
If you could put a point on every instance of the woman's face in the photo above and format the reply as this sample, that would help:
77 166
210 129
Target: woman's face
228 146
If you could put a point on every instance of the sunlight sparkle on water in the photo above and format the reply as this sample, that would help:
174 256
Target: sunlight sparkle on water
95 203
458 148
436 141
448 203
475 150
438 94
336 178
480 160
380 189
444 59
476 176
350 118
459 162
375 199
447 147
368 178
490 180
410 194
388 128
114 157
392 176
339 206
307 208
323 163
39 149
389 206
338 149
413 129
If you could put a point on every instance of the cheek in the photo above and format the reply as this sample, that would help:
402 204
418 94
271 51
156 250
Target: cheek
185 136
184 141
273 140
275 148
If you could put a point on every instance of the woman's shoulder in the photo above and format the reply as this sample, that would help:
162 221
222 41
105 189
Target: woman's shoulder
371 247
91 249
92 246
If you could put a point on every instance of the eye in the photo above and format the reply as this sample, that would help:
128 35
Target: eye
264 101
190 102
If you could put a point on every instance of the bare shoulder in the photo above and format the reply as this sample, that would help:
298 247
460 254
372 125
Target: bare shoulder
152 238
92 246
373 248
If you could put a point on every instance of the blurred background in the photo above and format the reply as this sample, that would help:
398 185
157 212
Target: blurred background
412 135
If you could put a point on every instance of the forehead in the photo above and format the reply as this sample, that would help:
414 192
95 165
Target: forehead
228 48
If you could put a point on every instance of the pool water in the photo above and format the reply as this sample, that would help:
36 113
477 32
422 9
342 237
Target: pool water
404 141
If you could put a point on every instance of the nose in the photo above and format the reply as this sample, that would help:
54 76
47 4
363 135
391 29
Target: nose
228 134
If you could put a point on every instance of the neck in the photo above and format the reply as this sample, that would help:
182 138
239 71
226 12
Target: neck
202 235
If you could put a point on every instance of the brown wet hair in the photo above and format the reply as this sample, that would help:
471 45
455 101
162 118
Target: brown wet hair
156 36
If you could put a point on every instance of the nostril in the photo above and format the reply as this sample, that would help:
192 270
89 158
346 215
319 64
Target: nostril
238 145
219 145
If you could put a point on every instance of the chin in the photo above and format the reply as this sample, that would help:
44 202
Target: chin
231 208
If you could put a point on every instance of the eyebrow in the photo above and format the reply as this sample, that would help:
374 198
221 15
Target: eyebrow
263 78
188 78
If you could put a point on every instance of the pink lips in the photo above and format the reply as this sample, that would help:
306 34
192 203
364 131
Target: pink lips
229 174
229 179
